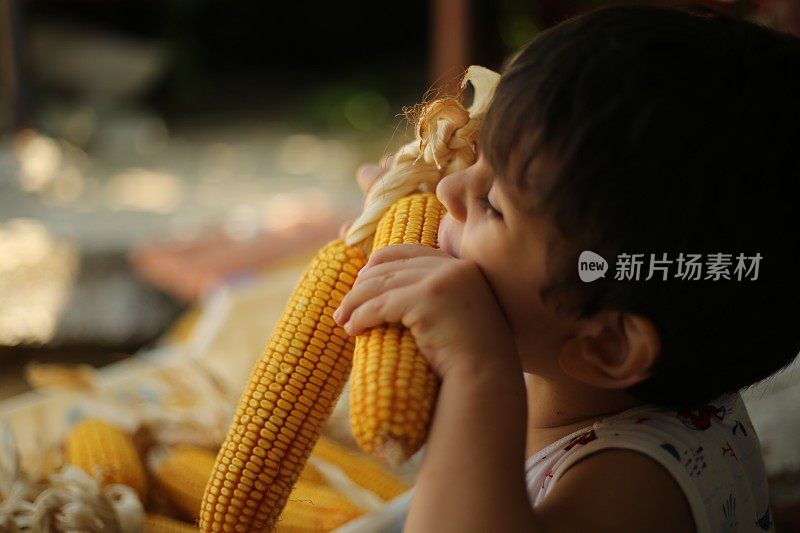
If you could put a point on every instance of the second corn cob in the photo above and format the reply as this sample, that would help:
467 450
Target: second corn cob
163 524
99 448
362 469
313 507
182 473
393 390
291 393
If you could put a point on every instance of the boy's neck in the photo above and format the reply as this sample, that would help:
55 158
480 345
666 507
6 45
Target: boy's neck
557 409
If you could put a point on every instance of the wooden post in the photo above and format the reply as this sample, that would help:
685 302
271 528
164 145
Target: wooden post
13 91
450 43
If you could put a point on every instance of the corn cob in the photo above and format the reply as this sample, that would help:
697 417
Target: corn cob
291 393
393 391
310 474
184 471
100 448
305 517
361 469
183 474
313 507
162 524
323 497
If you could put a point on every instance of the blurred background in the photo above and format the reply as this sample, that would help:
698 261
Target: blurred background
151 150
168 168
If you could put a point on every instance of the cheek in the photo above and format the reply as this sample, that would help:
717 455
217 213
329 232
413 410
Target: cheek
536 325
525 309
539 333
450 234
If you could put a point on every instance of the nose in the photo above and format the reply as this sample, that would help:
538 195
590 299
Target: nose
451 192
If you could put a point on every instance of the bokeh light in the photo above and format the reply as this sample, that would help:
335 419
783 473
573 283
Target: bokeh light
141 189
36 274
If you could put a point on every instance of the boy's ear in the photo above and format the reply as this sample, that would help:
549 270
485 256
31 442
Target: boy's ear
611 350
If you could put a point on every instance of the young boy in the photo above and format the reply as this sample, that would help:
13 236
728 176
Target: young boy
630 130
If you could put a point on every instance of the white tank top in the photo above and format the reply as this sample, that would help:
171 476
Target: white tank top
713 453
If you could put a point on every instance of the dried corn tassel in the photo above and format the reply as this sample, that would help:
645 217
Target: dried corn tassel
68 500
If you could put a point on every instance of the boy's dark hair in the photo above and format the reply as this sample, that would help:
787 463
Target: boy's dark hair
671 133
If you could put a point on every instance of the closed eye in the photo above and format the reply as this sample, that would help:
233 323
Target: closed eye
489 208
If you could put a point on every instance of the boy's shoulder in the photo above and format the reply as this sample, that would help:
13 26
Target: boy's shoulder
710 456
616 490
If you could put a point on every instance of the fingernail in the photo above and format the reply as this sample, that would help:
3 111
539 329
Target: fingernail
337 314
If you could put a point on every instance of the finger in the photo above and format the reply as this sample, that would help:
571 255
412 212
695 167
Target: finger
368 173
343 229
398 252
367 289
386 308
386 162
366 176
426 265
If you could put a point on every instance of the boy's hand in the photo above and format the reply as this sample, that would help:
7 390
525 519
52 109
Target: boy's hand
444 301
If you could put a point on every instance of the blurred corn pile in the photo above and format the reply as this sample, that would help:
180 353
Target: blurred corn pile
131 447
110 480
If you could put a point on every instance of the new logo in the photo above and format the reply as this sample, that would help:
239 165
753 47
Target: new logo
591 266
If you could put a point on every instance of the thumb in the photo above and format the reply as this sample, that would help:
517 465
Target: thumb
343 229
366 176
